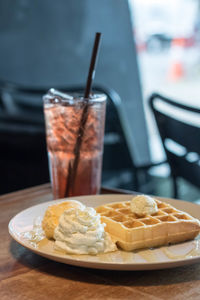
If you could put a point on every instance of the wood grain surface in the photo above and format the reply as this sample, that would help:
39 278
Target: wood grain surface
25 275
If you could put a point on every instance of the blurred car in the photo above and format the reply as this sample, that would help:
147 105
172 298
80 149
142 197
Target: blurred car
158 42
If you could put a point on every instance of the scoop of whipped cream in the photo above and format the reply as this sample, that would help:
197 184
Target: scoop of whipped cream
143 205
80 231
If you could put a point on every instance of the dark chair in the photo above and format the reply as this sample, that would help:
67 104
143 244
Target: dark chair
23 148
23 156
179 128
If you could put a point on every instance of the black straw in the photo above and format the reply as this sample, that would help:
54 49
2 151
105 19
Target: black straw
72 169
91 73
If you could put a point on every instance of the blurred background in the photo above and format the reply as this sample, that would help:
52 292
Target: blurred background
167 37
147 47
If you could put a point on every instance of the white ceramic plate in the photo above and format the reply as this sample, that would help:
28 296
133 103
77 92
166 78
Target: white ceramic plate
149 259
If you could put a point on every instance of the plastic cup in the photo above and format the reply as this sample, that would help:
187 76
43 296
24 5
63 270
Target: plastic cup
63 115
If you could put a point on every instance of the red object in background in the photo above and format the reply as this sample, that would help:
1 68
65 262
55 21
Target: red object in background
140 44
176 66
176 71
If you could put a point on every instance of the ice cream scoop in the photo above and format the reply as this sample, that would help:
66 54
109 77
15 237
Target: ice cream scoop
143 205
53 213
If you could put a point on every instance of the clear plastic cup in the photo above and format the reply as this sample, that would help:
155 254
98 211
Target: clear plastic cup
63 118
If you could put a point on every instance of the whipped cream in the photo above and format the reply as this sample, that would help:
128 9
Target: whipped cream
80 231
143 205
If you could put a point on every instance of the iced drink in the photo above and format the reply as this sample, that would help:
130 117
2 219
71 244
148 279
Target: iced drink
63 115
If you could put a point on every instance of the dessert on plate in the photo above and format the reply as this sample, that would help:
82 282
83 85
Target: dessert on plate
145 222
76 229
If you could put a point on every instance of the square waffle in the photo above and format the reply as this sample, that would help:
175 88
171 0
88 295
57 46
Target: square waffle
168 226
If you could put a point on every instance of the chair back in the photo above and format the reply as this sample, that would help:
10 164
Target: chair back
179 128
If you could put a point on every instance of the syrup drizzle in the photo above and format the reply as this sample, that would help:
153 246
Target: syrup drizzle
36 238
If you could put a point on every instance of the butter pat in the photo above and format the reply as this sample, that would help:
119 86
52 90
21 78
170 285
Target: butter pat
80 231
143 205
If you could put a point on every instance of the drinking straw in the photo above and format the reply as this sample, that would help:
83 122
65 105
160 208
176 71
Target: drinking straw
91 73
72 169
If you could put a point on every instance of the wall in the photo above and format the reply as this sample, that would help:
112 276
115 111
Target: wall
48 43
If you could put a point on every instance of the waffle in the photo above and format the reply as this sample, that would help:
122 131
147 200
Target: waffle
167 226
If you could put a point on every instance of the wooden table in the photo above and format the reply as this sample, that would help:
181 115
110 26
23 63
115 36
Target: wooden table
25 275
